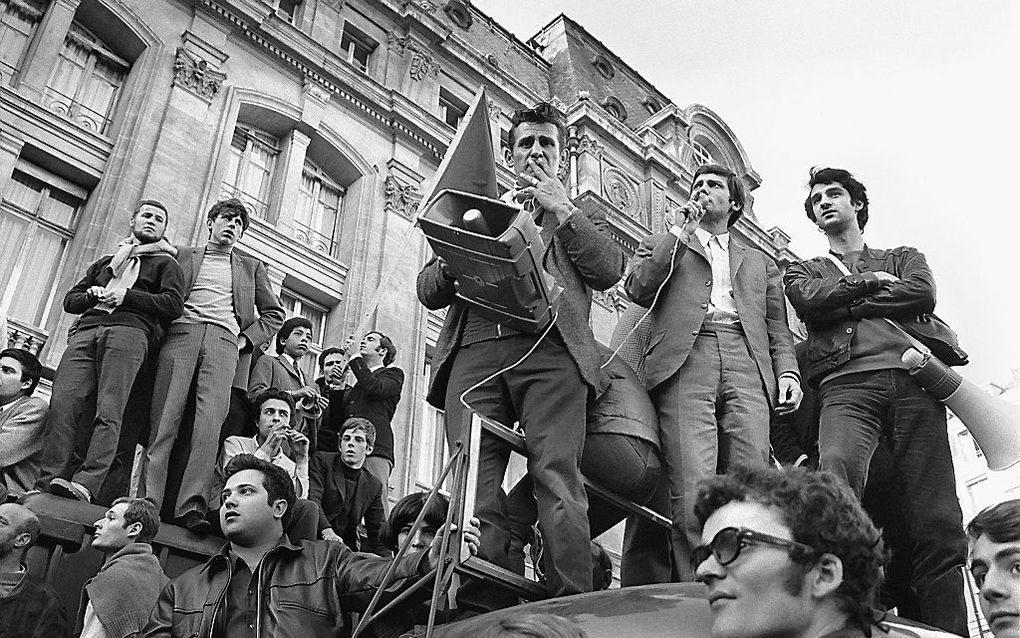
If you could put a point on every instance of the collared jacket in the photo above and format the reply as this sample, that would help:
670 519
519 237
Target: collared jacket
831 303
306 591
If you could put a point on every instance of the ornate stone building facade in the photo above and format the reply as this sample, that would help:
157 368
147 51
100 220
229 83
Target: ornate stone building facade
326 117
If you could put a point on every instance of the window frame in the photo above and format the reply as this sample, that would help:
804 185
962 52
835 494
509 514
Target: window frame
450 103
253 136
25 8
351 38
321 179
310 365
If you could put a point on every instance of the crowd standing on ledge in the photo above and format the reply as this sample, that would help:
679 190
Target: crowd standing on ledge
294 471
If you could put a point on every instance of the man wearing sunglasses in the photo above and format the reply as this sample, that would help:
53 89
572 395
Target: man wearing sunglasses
787 553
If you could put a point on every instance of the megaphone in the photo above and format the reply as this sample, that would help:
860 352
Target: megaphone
994 423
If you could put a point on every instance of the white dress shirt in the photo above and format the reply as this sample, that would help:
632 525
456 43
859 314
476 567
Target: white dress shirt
722 307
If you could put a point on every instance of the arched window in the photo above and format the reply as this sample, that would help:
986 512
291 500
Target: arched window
318 211
603 66
615 108
86 80
652 105
18 20
250 166
700 155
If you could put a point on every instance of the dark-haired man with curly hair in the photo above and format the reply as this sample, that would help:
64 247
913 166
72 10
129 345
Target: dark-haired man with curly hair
867 396
787 553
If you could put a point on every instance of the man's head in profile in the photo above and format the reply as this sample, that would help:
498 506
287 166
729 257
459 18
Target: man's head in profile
786 553
995 564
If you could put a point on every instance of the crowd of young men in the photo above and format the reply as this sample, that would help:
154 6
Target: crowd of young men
718 366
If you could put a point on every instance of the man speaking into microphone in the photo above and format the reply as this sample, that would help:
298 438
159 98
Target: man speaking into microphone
548 391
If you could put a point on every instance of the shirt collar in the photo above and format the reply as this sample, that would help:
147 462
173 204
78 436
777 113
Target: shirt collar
704 236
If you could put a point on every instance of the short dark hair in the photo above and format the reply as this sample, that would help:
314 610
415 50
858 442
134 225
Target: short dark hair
364 424
287 328
151 202
602 567
1000 523
738 194
274 478
406 511
857 191
385 342
822 513
230 208
141 510
327 352
541 113
272 393
31 369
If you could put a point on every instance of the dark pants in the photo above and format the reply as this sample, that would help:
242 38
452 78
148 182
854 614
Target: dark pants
859 409
546 394
99 362
625 465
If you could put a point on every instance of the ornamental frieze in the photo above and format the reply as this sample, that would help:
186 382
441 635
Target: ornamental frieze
620 191
402 199
421 59
196 75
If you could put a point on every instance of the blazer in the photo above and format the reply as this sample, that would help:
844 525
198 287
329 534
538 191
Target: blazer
681 308
581 255
280 373
374 397
252 291
21 439
326 487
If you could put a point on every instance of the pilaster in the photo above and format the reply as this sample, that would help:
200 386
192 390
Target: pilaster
46 46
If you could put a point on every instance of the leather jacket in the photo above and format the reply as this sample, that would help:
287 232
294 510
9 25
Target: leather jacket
306 591
831 303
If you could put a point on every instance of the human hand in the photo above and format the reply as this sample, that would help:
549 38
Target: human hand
329 535
113 296
540 182
242 342
884 277
309 392
790 395
273 443
97 292
298 446
322 402
693 212
472 536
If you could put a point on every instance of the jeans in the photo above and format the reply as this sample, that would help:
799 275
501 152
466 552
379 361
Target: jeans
861 410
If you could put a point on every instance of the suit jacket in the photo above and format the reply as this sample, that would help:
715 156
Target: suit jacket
326 487
280 373
21 438
252 291
580 254
681 308
374 397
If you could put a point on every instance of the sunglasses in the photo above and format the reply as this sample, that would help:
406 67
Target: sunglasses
729 541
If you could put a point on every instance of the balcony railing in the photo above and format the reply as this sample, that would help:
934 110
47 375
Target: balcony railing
21 335
256 207
85 117
319 242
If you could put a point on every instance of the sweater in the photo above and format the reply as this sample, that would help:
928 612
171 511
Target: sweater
124 591
32 610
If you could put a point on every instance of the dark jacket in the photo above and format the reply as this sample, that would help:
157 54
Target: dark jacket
326 487
831 303
581 255
124 591
375 398
309 590
32 610
156 298
328 438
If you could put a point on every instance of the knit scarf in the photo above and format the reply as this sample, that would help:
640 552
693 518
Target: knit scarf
126 263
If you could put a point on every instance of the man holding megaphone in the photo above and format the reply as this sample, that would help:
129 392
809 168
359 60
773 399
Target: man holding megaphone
867 394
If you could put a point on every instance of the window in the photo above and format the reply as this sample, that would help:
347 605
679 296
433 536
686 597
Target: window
288 10
459 14
297 306
317 216
86 81
356 46
615 108
603 66
250 166
18 19
652 105
432 451
38 215
451 110
699 155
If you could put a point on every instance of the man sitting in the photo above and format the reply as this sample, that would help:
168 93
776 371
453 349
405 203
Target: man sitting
28 606
346 491
116 602
281 445
324 580
787 553
21 419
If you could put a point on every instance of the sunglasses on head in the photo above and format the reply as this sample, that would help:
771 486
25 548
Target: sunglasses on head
729 541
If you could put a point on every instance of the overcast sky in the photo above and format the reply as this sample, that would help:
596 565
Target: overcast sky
918 98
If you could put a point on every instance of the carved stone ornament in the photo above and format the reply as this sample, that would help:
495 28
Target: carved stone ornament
620 191
195 74
401 198
494 110
421 59
426 6
588 144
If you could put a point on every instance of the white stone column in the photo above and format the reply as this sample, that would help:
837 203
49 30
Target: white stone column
292 163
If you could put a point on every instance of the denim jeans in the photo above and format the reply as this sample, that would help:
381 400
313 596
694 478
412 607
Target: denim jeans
859 412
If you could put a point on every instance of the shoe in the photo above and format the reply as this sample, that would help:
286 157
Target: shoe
194 522
69 489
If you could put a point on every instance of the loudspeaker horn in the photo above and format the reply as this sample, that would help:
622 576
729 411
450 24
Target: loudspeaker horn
994 423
